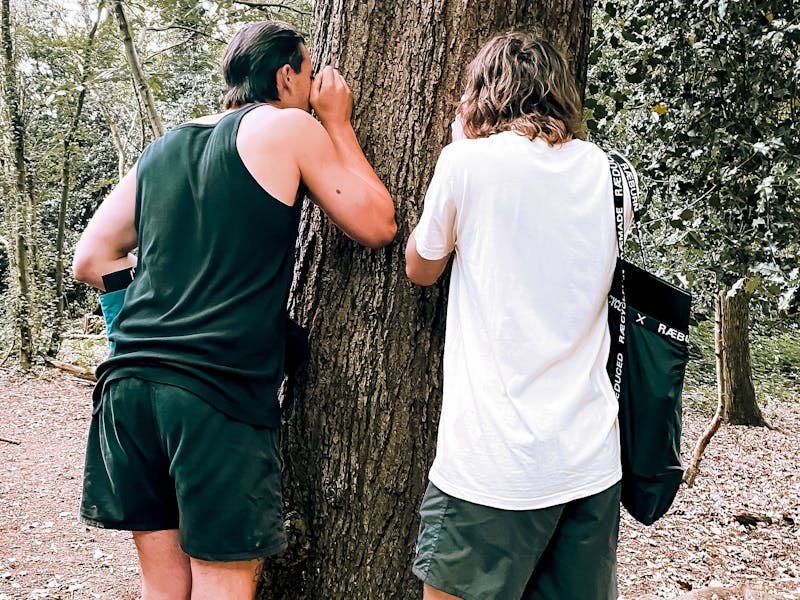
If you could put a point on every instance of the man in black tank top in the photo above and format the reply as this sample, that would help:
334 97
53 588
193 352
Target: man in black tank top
183 445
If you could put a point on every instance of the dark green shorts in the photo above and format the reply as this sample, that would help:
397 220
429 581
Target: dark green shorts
564 552
159 457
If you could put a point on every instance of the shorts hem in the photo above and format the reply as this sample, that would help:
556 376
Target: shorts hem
125 526
440 585
265 552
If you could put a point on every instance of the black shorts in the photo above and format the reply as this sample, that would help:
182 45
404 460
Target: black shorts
159 457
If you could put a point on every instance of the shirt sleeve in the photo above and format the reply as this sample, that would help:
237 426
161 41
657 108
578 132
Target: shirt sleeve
436 231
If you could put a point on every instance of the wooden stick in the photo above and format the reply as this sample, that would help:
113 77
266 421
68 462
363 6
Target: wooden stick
7 441
74 370
716 421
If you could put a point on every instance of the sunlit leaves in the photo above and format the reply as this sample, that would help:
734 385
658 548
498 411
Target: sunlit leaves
704 96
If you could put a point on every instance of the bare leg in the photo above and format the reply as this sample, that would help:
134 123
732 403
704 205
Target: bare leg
166 574
431 593
229 580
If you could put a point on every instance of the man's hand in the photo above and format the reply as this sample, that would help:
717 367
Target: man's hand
331 98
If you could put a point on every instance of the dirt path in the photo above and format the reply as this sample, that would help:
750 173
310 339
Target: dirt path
44 551
749 474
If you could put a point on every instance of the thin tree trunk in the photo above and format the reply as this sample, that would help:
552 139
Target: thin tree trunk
719 353
361 434
740 407
22 318
137 70
58 325
116 138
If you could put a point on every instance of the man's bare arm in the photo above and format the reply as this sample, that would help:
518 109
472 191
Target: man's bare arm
335 170
421 270
106 243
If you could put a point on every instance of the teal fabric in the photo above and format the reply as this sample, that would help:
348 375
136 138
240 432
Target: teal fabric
159 457
206 311
111 304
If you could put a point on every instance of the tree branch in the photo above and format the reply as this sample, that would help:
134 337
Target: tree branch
268 7
186 28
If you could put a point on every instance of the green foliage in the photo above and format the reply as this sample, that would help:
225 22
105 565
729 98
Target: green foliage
775 348
703 97
180 43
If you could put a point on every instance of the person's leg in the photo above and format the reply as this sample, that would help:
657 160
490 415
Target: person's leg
229 580
127 486
166 574
580 563
431 593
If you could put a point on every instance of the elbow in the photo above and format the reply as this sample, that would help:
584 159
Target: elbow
422 279
380 236
82 267
386 236
416 272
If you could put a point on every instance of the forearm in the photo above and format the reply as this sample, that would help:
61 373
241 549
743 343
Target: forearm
90 269
421 270
349 152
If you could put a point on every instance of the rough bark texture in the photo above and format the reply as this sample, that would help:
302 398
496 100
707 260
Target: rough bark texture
739 395
143 90
22 318
361 435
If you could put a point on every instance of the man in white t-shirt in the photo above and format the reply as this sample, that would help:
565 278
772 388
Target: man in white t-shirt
523 500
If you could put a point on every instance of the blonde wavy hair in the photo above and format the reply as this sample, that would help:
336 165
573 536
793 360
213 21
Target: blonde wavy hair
520 83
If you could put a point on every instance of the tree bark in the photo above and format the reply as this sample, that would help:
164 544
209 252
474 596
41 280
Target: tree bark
740 407
361 435
17 167
58 325
137 70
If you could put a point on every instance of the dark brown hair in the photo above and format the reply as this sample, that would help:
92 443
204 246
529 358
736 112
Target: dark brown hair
253 58
520 83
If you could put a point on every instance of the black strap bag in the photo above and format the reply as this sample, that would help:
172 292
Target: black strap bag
648 320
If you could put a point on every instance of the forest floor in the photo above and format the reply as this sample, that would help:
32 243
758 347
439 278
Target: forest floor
738 527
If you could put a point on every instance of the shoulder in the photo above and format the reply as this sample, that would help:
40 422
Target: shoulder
280 118
288 129
461 153
588 149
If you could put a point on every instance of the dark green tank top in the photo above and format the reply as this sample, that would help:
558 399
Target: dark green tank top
206 310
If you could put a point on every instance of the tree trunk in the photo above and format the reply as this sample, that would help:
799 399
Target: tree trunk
137 70
58 325
116 138
22 319
738 392
361 436
694 466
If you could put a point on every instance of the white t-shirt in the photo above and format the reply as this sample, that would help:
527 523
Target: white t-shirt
529 418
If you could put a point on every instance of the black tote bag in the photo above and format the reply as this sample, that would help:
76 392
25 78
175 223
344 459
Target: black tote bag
648 320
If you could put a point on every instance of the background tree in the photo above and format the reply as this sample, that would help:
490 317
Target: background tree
88 100
703 95
361 434
137 71
19 193
81 89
